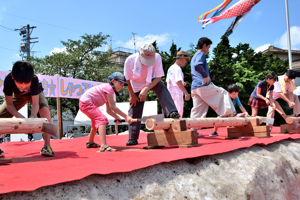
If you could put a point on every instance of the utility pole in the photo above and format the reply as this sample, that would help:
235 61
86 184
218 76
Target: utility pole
26 31
134 41
288 34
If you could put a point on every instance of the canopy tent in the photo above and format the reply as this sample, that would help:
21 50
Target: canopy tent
150 108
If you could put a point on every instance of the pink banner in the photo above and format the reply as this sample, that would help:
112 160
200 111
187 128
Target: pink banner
55 86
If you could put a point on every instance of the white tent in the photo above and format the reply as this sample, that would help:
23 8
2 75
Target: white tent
150 108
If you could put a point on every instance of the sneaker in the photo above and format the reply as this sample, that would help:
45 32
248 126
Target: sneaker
1 153
213 134
174 114
132 142
200 135
47 151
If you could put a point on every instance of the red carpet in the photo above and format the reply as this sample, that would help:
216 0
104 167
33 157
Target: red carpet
29 170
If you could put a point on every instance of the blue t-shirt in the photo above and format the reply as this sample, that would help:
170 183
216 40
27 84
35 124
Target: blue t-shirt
263 85
236 102
199 70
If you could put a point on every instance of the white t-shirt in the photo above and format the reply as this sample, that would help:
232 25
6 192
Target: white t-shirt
139 82
173 76
277 88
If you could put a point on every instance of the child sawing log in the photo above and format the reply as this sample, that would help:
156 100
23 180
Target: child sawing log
26 125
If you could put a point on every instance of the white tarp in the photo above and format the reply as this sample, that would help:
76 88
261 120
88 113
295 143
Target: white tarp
150 108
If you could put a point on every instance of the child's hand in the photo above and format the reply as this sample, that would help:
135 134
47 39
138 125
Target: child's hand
291 104
129 119
246 114
206 80
187 96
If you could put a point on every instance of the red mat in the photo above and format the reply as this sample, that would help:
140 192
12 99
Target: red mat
29 170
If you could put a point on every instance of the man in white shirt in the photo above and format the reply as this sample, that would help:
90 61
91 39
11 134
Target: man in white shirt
143 72
283 88
175 81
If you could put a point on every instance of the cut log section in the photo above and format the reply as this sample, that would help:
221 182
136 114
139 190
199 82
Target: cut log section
26 125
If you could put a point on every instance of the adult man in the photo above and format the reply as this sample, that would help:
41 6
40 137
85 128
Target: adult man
204 92
143 72
283 88
175 81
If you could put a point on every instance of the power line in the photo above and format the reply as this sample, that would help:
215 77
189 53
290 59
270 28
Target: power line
43 23
7 28
8 49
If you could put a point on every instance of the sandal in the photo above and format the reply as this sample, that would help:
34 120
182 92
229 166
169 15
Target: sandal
92 145
108 148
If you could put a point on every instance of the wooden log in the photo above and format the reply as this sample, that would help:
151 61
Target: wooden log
24 125
152 124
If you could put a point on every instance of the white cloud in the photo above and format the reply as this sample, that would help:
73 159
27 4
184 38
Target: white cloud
257 14
58 50
295 38
161 40
262 48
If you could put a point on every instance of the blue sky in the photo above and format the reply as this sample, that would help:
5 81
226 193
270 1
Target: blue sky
164 21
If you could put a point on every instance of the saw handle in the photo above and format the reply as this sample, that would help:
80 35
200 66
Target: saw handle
123 120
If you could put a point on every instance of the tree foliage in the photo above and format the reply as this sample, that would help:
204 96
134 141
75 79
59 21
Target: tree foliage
80 60
239 65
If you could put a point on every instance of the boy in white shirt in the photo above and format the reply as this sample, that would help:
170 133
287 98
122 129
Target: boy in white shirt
143 72
175 81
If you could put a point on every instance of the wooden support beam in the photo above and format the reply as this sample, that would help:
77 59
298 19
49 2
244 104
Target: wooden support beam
175 135
289 128
251 129
26 125
5 160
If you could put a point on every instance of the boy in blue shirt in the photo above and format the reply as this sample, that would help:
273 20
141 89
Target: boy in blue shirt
204 92
233 91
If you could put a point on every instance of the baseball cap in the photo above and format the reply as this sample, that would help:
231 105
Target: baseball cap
147 54
119 77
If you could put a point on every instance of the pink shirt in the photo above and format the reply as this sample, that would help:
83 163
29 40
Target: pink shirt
138 82
97 94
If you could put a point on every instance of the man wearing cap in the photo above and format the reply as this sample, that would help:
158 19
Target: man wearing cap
175 81
143 72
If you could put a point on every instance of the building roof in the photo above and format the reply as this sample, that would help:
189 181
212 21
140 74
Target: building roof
277 50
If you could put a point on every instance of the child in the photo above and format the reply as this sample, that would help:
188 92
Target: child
22 86
258 98
204 92
284 88
97 96
233 91
175 81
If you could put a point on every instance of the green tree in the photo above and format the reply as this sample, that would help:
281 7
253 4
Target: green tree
80 60
242 66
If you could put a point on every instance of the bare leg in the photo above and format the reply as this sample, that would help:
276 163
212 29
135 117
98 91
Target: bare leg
254 111
102 134
45 113
92 135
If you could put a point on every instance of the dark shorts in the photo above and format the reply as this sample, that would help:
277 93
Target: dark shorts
20 101
257 103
